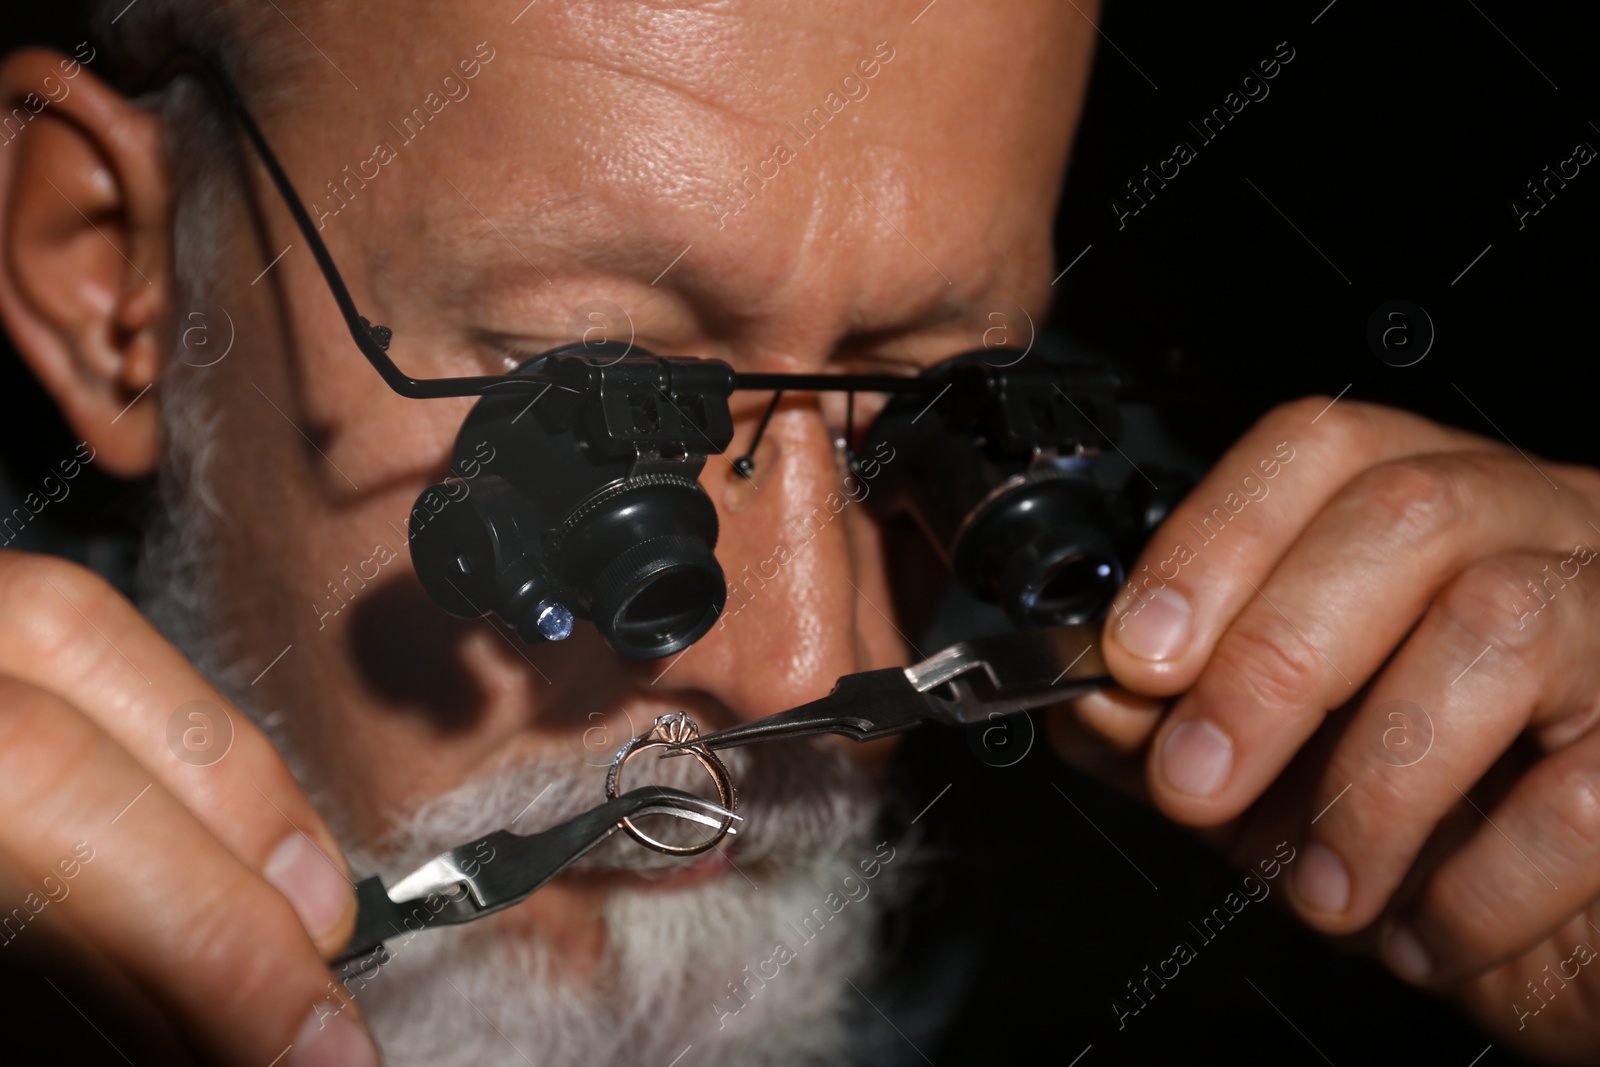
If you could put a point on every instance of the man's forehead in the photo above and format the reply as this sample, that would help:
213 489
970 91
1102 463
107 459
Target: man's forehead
617 137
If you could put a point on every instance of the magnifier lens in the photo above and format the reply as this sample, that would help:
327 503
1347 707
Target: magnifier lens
659 597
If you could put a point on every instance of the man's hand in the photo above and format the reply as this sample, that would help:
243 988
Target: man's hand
213 887
1447 589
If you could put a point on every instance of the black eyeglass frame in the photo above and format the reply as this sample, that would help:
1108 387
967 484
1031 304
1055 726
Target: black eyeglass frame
373 340
997 479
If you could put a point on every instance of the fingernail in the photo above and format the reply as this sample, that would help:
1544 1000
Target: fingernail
331 1039
1197 758
1156 627
317 889
1321 881
1406 955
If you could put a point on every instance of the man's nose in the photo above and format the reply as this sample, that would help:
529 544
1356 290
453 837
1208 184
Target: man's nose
807 594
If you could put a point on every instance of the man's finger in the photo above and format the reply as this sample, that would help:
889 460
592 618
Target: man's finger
1533 864
1208 558
1124 720
1469 680
157 893
1357 579
66 631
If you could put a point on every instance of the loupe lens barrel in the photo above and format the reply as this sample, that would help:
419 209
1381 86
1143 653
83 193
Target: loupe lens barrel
643 553
592 508
999 474
1043 552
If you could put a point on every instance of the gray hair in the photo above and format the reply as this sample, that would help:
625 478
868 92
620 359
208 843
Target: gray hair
179 553
680 966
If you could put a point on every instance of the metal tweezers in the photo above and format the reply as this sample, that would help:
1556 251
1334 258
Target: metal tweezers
497 870
969 682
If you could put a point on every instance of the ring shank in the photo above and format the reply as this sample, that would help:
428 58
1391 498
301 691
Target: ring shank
708 760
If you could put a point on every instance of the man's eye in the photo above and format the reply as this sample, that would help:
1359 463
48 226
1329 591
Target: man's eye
514 355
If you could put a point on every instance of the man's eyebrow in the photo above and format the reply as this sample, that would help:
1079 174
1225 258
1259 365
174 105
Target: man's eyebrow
484 247
515 235
575 239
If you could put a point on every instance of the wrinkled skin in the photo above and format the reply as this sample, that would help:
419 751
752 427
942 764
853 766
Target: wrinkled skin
1386 567
595 147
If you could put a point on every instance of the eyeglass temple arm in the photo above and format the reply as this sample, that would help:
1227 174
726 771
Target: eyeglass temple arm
371 340
374 340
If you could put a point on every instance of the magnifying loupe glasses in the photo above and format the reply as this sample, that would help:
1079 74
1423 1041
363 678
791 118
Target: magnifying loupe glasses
593 509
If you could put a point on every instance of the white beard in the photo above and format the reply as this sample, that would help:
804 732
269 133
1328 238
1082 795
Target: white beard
698 966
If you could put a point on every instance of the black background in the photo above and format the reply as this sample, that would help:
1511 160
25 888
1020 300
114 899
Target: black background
1394 142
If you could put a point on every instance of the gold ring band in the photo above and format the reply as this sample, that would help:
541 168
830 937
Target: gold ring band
674 729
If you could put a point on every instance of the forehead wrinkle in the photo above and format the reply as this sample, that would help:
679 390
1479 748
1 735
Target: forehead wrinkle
701 96
705 54
640 201
650 45
601 232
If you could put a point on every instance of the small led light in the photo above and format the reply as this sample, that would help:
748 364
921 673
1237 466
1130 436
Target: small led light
554 622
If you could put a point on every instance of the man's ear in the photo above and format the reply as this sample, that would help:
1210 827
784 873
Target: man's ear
85 250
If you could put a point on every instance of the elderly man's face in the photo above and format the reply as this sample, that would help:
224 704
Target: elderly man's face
839 187
822 187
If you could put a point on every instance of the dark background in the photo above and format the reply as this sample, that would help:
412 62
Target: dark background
1393 142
